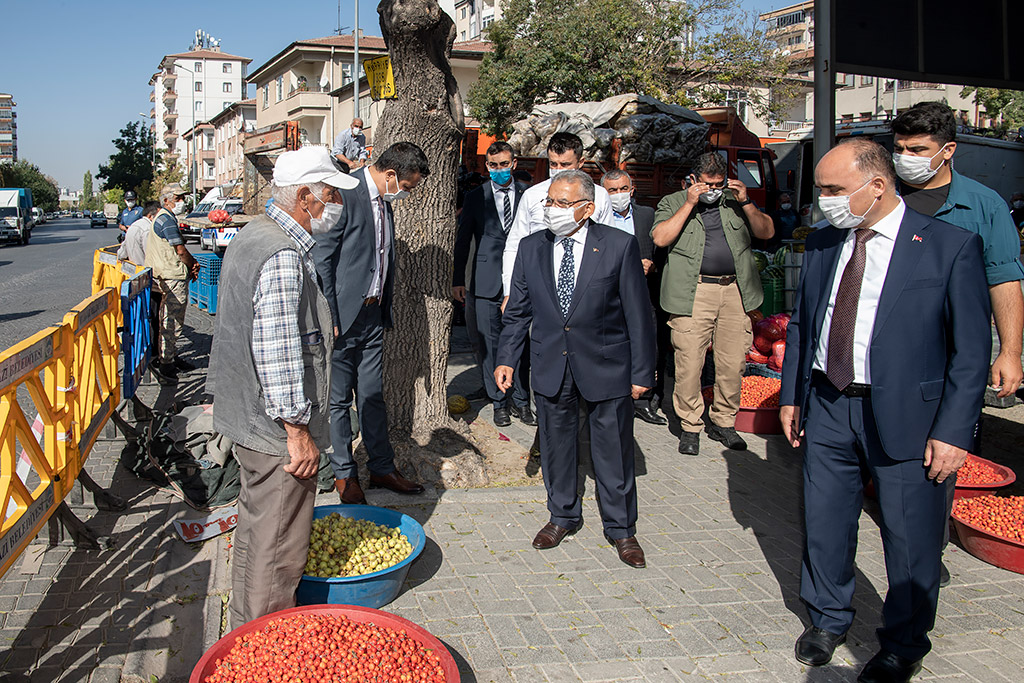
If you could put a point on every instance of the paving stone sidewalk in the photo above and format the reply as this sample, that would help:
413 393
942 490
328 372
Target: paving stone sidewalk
718 600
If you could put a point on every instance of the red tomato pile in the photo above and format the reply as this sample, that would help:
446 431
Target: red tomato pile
326 647
975 472
1002 516
756 392
219 216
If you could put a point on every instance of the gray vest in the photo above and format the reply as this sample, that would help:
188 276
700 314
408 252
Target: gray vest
239 407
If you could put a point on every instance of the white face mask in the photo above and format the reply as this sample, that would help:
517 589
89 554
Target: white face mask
328 219
837 209
915 170
560 221
785 206
179 207
131 204
620 201
356 130
711 196
393 196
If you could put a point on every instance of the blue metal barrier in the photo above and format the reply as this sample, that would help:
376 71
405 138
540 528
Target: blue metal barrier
136 334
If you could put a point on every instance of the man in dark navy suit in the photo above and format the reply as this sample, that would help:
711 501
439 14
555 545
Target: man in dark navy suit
356 262
581 287
886 363
486 217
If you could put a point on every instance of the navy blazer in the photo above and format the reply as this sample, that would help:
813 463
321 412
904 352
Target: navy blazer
480 220
346 257
643 223
931 343
607 338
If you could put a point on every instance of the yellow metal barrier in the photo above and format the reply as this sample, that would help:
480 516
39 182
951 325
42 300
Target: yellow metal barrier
107 271
70 372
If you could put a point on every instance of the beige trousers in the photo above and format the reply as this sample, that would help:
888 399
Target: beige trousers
173 301
718 319
275 516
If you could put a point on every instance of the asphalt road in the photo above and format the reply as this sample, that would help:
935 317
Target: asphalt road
42 281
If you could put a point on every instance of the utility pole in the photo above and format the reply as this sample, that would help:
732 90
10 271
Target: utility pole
355 66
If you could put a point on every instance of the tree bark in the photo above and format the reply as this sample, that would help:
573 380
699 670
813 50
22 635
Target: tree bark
427 112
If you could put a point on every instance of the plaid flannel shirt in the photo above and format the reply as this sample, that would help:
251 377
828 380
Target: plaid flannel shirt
276 346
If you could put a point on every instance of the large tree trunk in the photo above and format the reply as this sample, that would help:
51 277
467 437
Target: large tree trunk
427 112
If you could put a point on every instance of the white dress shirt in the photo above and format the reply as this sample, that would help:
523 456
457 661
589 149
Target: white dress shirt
878 254
382 241
530 219
499 199
579 239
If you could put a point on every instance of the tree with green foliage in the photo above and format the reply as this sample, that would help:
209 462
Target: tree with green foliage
23 173
87 200
132 163
584 50
1006 106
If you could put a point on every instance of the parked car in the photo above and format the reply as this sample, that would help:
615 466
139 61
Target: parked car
232 206
97 220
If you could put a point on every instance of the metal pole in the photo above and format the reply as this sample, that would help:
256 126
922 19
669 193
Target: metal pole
355 66
824 86
895 93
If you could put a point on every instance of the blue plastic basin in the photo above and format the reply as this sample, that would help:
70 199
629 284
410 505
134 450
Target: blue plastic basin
369 590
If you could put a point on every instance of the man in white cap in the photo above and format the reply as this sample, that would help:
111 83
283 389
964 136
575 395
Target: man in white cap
269 376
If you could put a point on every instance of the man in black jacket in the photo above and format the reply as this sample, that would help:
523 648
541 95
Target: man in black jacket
638 220
486 217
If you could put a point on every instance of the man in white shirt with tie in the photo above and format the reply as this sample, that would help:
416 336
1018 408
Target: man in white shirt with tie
565 153
486 218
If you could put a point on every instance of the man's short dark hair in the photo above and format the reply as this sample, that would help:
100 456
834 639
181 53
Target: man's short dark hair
150 209
615 174
873 160
934 119
405 159
560 143
499 147
710 164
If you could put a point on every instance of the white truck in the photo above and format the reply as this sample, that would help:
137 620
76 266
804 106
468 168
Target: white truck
16 215
996 164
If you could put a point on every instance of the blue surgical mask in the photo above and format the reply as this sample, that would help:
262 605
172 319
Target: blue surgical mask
502 176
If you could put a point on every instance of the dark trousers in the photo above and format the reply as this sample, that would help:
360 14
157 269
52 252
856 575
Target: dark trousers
357 366
483 323
663 338
611 449
842 440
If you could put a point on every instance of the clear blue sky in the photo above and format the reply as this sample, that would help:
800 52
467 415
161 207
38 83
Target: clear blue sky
79 71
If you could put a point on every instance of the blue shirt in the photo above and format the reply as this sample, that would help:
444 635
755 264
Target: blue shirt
972 206
129 216
625 223
165 224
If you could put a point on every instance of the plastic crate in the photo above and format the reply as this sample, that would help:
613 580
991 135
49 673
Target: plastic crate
209 268
774 295
203 296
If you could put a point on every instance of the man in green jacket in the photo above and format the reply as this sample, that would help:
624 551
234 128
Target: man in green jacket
709 283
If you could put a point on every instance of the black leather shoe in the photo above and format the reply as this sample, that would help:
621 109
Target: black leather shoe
727 436
889 667
550 535
395 482
943 575
647 414
689 443
629 551
501 418
524 414
815 646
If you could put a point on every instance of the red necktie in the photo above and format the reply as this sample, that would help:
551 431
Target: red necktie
844 315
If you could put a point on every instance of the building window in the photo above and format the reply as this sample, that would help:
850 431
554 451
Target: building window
209 141
227 67
280 88
867 80
227 87
788 19
266 96
463 12
845 80
463 36
199 86
198 67
346 74
199 106
210 175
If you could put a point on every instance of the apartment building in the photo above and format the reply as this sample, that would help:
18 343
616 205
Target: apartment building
199 152
473 16
8 128
190 87
229 130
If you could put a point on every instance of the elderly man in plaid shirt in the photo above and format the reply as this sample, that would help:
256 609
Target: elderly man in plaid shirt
269 376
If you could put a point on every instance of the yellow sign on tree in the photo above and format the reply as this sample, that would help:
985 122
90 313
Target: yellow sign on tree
381 77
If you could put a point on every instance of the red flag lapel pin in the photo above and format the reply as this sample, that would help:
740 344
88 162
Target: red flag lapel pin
916 238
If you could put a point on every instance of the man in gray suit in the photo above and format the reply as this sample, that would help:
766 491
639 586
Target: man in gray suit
356 262
486 217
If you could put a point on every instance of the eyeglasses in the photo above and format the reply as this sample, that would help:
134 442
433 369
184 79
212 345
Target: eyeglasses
561 203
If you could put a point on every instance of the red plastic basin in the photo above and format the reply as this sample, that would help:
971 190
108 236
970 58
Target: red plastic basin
208 664
758 421
970 491
986 546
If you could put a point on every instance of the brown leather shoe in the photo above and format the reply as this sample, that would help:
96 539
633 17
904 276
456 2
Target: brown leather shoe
629 551
395 482
350 492
551 535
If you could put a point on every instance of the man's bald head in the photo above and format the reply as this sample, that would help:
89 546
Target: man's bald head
857 164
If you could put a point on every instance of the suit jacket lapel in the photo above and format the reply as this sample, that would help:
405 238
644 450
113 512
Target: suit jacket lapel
592 253
489 209
905 254
830 259
547 267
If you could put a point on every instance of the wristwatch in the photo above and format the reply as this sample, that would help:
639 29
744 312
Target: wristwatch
748 201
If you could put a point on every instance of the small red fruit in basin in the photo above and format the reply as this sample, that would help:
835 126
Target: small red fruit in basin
999 515
760 392
975 472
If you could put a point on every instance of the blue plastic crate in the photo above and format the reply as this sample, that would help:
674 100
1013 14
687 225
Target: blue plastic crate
209 268
206 298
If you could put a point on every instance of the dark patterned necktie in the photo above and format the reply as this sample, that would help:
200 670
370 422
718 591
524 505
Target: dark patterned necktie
566 275
844 315
508 212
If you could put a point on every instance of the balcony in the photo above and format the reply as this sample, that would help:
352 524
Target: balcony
169 77
152 113
170 96
303 102
152 95
170 115
170 136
